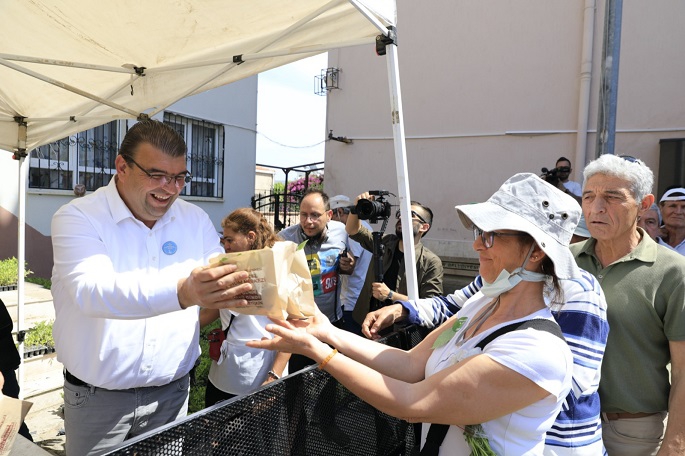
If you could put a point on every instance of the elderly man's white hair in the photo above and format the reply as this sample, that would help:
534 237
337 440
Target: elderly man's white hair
633 170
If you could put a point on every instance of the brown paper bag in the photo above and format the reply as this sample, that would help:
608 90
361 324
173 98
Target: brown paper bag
282 284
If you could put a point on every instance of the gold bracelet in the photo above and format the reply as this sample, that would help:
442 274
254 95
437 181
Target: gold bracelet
328 358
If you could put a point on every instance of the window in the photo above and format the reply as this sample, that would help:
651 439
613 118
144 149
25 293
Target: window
205 142
84 158
88 157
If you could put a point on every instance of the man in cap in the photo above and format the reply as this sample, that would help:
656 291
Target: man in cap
672 206
644 284
351 285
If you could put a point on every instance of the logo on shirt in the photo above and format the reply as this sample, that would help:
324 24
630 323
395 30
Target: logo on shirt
169 247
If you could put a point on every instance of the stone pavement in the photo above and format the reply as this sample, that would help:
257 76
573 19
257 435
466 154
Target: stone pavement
42 382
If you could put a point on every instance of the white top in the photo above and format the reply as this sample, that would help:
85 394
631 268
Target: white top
538 355
574 187
242 369
680 248
118 320
352 284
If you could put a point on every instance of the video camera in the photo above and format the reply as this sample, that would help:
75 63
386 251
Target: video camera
551 176
374 210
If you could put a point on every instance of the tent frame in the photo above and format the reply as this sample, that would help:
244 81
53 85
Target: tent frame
386 44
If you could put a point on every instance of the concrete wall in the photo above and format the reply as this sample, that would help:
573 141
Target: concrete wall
490 89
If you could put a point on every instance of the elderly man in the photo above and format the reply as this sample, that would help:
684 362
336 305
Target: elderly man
650 221
672 205
644 285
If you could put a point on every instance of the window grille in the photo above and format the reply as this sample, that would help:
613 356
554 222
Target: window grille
84 158
205 142
88 157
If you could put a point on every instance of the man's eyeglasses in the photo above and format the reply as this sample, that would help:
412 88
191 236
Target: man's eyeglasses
488 237
413 214
162 179
313 217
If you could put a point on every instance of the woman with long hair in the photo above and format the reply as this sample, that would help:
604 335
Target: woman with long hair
241 369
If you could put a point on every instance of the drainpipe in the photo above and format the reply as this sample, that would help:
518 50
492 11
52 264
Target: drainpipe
589 13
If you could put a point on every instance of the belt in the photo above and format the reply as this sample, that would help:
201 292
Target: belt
73 379
611 416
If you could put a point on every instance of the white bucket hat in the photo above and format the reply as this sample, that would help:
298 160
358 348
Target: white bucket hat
529 204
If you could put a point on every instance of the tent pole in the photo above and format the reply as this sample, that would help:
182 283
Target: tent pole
21 251
401 168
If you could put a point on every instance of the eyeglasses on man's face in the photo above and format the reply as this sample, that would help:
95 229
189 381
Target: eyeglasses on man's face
488 237
314 217
413 214
163 179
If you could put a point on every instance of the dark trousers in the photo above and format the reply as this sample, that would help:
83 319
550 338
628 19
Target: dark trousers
214 395
11 389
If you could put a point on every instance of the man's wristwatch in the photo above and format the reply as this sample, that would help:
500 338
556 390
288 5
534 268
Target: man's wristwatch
390 294
273 375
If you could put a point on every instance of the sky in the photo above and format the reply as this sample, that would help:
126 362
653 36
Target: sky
290 116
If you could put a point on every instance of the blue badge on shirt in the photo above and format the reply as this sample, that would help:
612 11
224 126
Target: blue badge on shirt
169 247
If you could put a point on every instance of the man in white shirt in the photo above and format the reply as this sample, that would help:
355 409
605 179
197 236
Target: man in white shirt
351 284
563 167
129 265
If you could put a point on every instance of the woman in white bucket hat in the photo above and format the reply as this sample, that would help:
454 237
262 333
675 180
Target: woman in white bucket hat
498 371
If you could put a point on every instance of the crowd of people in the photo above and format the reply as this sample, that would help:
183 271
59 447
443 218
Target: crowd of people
568 342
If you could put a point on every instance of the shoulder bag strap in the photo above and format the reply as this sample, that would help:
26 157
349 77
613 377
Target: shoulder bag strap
437 432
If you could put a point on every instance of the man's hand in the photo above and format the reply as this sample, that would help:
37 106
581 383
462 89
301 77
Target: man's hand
380 291
213 287
347 263
382 318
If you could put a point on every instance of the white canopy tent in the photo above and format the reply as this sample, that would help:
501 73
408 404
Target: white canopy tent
70 65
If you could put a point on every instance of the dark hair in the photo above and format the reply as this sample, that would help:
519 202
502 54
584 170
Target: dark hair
547 268
427 213
318 191
156 133
563 159
246 219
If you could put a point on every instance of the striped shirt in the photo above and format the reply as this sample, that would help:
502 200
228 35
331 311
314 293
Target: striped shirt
577 430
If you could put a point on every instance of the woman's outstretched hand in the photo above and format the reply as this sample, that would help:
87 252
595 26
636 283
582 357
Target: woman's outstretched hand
304 337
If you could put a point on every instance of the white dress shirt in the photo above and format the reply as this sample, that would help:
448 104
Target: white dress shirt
118 322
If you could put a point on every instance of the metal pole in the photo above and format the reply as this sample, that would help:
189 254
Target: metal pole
608 85
402 171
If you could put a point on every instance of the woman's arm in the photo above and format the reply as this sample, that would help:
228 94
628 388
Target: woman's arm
208 316
475 390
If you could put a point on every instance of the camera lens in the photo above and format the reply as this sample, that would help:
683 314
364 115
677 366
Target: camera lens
367 209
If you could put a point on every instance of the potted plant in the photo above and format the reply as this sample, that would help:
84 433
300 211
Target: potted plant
9 274
38 340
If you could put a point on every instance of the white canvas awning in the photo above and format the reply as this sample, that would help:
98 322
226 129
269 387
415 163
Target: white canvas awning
70 65
67 66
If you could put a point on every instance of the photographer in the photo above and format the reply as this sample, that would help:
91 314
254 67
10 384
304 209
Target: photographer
559 178
394 285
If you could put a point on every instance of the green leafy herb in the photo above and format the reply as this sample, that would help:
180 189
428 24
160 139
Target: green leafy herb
447 335
478 441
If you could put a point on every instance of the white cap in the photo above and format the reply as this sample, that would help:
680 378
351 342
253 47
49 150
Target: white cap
339 201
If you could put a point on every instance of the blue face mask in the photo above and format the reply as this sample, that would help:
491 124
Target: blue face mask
506 280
